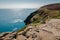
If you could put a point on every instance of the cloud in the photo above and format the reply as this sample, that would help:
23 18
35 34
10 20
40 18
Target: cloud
2 6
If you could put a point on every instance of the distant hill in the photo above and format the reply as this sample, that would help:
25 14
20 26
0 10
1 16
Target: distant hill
43 13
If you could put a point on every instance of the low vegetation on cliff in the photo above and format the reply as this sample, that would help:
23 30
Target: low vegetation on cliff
44 13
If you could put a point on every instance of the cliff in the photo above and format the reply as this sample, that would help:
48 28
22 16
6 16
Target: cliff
43 13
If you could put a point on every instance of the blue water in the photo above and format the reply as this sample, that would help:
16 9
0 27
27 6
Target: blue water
12 19
12 27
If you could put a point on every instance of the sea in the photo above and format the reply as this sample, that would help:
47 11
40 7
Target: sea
13 19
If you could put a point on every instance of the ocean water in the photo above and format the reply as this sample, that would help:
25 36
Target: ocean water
13 19
12 27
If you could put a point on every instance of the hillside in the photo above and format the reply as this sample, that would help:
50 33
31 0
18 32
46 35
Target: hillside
43 13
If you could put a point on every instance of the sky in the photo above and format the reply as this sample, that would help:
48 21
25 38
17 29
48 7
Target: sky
25 3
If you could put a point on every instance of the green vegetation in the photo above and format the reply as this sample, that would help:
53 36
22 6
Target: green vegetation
44 13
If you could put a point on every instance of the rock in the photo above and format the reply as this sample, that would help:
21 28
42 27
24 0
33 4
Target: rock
54 26
21 37
46 35
4 34
48 31
8 36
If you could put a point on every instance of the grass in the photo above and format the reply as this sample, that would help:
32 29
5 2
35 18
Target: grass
38 19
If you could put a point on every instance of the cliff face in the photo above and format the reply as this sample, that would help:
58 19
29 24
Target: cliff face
43 13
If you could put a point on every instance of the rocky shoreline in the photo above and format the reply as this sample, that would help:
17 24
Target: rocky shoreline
48 31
